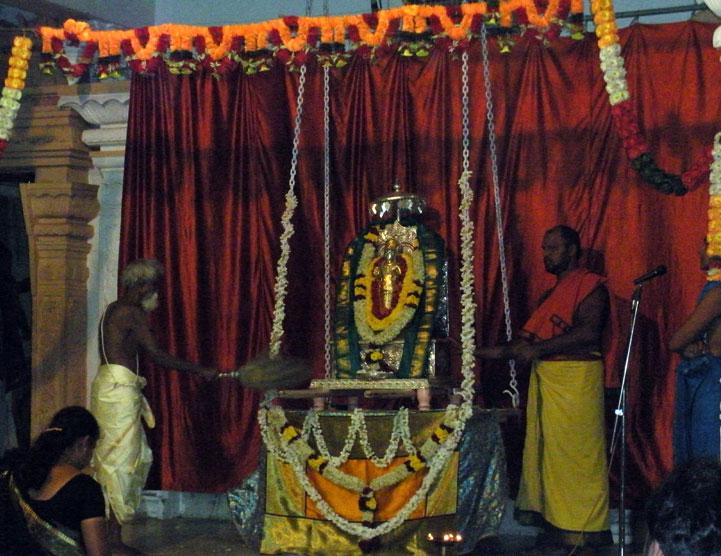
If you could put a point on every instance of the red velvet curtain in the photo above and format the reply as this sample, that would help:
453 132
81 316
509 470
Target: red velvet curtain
207 168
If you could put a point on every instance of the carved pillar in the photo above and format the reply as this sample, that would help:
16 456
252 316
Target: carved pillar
57 207
56 217
109 111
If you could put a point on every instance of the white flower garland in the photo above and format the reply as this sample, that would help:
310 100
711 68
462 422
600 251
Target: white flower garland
281 281
614 73
713 239
358 431
715 175
296 452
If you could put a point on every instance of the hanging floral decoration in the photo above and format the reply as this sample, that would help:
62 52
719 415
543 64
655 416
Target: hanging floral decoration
411 29
624 116
291 446
713 237
13 87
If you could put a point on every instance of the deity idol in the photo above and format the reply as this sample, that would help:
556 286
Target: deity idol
392 295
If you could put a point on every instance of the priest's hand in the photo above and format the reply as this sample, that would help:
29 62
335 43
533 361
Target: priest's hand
523 352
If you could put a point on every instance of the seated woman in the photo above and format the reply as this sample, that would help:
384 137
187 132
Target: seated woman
61 508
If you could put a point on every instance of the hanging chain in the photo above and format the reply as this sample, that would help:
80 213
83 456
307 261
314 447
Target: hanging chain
326 217
291 201
325 8
296 128
513 382
308 8
465 130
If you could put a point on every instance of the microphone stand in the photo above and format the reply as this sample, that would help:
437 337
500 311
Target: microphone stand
621 412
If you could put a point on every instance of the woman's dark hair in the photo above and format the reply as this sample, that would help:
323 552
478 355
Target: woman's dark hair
684 514
67 426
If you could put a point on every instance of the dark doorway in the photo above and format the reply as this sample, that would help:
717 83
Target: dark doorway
15 315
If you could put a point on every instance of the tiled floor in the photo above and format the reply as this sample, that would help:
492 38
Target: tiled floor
200 537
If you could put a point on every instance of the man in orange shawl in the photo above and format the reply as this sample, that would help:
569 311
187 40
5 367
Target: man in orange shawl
564 482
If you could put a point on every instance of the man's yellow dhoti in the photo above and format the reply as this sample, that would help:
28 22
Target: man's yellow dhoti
122 456
564 478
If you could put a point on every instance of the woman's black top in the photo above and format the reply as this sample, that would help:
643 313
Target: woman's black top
78 499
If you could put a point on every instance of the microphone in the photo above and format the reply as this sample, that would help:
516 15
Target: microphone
650 275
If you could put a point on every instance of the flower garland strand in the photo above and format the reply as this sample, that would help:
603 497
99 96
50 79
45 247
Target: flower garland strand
291 202
13 90
295 451
358 431
713 237
184 48
624 116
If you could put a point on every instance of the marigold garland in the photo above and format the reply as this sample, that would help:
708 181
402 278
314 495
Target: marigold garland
12 92
292 39
624 116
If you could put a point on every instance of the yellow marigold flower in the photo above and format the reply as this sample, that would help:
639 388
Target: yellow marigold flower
608 40
316 461
289 433
714 226
441 434
598 5
416 463
714 201
606 29
376 355
603 16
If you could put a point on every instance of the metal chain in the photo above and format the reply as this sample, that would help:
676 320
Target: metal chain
325 8
513 382
465 130
296 129
308 8
326 217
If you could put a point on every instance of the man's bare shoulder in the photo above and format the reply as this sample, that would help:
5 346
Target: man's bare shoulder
125 313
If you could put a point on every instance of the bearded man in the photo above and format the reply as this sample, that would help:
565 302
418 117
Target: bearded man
122 456
564 482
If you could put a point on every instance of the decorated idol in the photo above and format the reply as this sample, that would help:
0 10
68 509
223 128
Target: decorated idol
392 294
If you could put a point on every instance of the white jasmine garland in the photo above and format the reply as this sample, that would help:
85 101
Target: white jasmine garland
715 175
614 73
281 281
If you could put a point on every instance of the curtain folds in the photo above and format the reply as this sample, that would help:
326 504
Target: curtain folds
207 168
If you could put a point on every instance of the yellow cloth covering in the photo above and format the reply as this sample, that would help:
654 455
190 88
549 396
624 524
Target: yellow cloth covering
564 477
122 456
294 525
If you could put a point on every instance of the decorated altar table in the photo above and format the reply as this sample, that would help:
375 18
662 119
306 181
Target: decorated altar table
274 514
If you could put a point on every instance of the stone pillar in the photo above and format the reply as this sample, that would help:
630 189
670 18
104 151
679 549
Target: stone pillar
109 111
57 207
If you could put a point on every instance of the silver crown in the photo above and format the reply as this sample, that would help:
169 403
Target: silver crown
397 205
